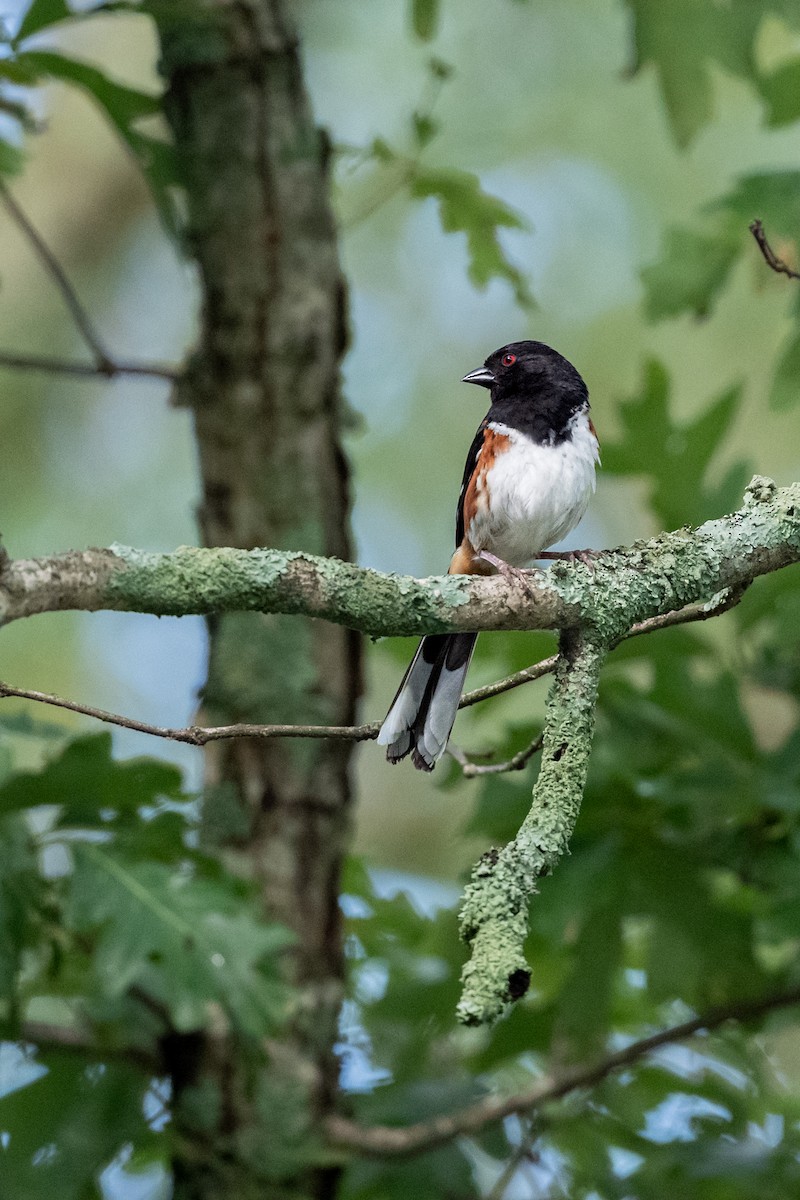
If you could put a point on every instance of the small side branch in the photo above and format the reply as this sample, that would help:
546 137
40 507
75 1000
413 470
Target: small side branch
110 369
472 770
200 735
104 364
770 257
494 915
197 735
390 1141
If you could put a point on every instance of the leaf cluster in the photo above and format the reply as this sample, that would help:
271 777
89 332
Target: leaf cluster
28 63
116 932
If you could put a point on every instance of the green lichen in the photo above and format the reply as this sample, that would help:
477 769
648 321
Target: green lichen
193 580
494 914
200 580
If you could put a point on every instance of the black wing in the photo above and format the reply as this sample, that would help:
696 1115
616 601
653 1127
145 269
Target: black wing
469 467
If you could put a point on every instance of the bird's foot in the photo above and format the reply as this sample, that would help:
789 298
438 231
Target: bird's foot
518 576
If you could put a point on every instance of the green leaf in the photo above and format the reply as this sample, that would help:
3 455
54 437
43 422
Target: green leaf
24 724
680 39
695 264
22 899
123 104
425 18
68 1124
781 92
91 786
774 196
785 392
691 271
41 15
424 128
124 107
465 208
584 1003
675 458
11 158
185 939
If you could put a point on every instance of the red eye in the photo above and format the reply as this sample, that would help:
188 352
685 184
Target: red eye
508 360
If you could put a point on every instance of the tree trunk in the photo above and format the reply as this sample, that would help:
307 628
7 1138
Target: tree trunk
264 389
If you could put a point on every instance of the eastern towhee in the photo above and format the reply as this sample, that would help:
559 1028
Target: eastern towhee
529 474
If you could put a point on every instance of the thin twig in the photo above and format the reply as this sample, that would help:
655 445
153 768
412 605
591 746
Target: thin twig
523 1152
770 257
517 762
526 675
691 613
109 369
104 364
73 1038
198 735
58 275
389 1141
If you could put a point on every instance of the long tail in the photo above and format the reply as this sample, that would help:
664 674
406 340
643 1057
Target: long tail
424 710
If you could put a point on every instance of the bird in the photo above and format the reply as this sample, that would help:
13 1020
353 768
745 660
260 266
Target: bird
528 478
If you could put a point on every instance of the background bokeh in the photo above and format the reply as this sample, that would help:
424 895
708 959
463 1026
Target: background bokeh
542 106
681 888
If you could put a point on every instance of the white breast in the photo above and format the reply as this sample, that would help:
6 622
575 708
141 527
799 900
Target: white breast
535 494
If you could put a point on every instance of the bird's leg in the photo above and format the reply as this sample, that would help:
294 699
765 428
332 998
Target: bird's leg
506 570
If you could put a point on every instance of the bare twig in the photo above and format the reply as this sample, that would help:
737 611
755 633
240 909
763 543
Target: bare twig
516 763
110 369
522 1153
104 364
389 1141
770 257
526 675
198 735
58 275
49 1036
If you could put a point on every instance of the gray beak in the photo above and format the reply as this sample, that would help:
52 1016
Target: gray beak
483 377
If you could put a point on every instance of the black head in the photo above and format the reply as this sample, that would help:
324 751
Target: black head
533 388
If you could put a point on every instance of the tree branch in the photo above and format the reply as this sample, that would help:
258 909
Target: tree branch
649 585
104 364
494 914
110 369
770 257
48 1036
624 588
390 1141
200 735
526 675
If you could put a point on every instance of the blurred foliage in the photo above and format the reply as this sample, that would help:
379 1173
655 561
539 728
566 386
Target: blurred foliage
111 924
681 888
125 107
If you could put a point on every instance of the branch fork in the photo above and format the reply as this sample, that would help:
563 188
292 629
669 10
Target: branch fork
682 576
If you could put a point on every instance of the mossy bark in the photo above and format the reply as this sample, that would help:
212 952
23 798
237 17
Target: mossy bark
264 390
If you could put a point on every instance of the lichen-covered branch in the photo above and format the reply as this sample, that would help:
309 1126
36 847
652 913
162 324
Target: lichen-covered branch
621 589
494 915
202 581
201 735
671 578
